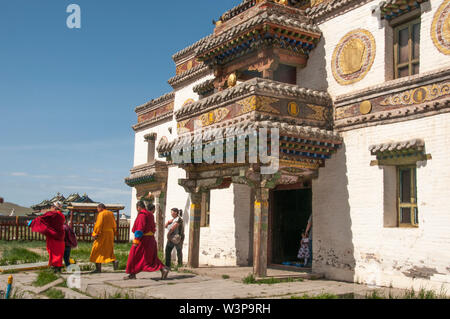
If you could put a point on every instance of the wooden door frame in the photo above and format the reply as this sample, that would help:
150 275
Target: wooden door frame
297 186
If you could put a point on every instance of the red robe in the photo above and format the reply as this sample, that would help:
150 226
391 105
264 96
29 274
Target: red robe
51 224
144 257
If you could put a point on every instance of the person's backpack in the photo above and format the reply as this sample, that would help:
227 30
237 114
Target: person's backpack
181 227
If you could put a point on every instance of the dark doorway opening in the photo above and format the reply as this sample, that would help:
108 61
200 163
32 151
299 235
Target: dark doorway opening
290 211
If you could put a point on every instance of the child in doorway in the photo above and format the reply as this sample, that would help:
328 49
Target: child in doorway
303 252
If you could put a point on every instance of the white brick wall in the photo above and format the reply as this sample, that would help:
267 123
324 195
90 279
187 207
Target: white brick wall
333 31
350 241
141 146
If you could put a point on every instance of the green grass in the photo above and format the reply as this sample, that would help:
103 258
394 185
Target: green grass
250 279
28 244
409 294
423 294
18 251
122 258
375 295
225 277
16 255
45 277
55 294
87 267
119 295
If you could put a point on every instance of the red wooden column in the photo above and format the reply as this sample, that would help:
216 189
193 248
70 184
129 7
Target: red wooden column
260 232
194 230
17 227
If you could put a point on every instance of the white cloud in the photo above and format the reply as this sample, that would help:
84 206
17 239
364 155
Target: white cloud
19 174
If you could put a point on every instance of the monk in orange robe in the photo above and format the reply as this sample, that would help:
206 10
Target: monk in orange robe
105 230
51 224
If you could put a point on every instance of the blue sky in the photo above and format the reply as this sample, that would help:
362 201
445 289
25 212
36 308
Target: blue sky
67 96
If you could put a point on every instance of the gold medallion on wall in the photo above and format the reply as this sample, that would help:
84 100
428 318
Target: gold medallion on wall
293 109
187 102
440 29
353 57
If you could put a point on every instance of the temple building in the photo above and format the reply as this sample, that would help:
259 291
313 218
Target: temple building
337 109
46 204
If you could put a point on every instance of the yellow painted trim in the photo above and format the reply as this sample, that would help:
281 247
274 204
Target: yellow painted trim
434 30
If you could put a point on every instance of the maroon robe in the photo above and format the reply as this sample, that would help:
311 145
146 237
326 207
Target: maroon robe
144 256
51 224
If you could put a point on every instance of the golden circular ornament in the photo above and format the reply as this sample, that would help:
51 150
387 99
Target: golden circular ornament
353 57
232 80
365 107
188 101
440 28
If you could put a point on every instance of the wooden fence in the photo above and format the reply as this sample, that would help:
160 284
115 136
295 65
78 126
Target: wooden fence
16 229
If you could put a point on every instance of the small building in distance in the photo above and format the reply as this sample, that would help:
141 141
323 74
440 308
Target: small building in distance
45 205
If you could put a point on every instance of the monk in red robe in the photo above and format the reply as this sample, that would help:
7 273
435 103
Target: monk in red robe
144 252
51 224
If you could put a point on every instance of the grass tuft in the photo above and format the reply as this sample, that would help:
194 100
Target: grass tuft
45 277
55 294
250 279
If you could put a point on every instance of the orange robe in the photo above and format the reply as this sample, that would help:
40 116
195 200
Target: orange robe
103 248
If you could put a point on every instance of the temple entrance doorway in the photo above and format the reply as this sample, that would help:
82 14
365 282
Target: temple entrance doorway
289 213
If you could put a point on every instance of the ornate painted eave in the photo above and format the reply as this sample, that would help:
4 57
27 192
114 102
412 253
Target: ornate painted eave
269 27
189 76
204 88
237 10
386 148
248 4
155 111
399 153
393 8
150 122
155 103
289 134
330 8
397 100
250 87
190 50
147 173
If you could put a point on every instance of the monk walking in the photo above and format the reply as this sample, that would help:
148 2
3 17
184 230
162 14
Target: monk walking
144 253
51 224
104 231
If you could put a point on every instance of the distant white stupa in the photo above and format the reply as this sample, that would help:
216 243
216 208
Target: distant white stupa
124 217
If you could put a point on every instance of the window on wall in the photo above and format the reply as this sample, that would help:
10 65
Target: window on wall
407 196
204 220
407 48
286 74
